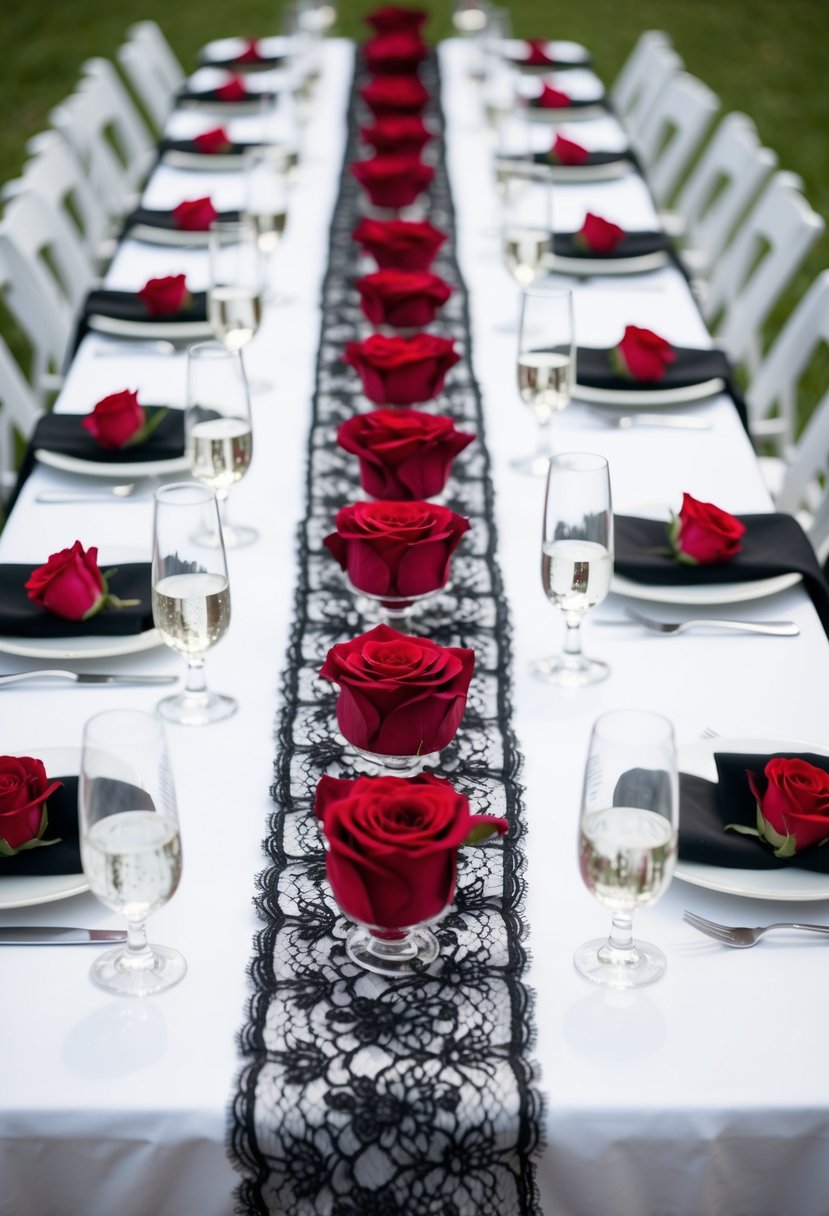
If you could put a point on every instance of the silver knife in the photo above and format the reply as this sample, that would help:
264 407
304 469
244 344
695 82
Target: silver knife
84 677
48 935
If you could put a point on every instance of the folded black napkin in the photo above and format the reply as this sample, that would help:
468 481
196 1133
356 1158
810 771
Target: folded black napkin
631 245
128 306
592 159
574 103
771 545
20 617
705 807
146 217
64 434
237 63
61 858
595 369
189 146
214 97
520 60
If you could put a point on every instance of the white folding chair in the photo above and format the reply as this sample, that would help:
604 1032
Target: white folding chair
672 131
152 70
633 72
19 412
719 190
659 63
757 266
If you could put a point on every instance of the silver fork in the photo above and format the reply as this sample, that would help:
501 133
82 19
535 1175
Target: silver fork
783 629
625 422
127 490
742 937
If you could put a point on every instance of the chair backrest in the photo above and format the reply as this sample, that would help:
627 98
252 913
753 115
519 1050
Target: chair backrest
19 412
672 131
757 266
661 64
152 69
634 70
55 173
136 145
721 186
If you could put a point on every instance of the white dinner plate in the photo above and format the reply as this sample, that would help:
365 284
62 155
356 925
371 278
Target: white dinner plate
168 236
590 266
789 883
566 113
202 161
24 891
99 468
645 398
91 647
174 331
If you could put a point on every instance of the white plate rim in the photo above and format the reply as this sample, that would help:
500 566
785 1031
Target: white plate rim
90 647
589 266
591 109
150 235
703 594
44 888
91 468
177 158
655 398
182 331
790 883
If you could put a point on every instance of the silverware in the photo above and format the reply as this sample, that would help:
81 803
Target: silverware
127 490
49 935
742 937
84 677
129 348
783 629
678 422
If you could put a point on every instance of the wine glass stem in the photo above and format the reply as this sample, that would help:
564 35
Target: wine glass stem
137 954
572 636
544 450
621 932
196 683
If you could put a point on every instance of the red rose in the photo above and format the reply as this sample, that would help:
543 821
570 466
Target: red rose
398 549
195 214
403 134
567 152
404 454
599 235
70 584
402 371
703 534
392 181
793 808
214 141
402 297
116 421
24 788
395 95
392 18
166 295
643 355
553 99
399 695
400 244
251 53
234 89
392 845
396 53
536 54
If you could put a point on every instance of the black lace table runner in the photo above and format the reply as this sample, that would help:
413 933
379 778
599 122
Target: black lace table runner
361 1096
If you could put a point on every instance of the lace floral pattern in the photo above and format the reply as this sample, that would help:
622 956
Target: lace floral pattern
361 1096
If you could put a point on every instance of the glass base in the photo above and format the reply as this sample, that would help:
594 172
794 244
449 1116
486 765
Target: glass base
197 709
235 536
601 963
408 954
531 466
389 766
116 972
570 671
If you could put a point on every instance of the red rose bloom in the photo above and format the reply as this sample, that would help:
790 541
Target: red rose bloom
398 549
567 152
644 355
792 805
395 95
24 788
251 53
392 181
70 584
404 454
393 18
234 89
599 235
401 134
704 534
116 420
553 99
399 695
392 845
166 295
400 244
402 298
397 53
402 371
213 142
536 54
195 214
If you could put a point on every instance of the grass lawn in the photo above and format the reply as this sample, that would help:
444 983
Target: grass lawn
766 58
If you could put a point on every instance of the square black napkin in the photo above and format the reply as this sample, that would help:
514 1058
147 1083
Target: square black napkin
64 434
705 807
631 245
128 306
595 369
147 217
20 617
575 103
192 149
61 858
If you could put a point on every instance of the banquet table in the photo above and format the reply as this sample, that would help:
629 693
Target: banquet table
706 1093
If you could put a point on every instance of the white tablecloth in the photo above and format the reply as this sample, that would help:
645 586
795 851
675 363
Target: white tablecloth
704 1094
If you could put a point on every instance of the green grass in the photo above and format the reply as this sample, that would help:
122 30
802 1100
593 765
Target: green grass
766 58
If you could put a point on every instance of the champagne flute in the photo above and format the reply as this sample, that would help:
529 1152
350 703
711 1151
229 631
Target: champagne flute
218 431
627 838
236 282
576 558
546 365
266 204
527 231
130 845
191 597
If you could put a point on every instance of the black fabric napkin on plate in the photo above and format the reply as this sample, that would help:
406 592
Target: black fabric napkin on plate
251 97
705 807
150 218
592 159
594 369
128 306
236 64
20 617
61 858
772 545
193 149
64 434
631 245
574 103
